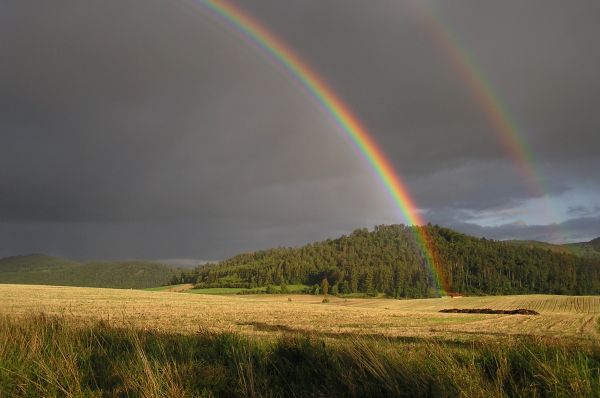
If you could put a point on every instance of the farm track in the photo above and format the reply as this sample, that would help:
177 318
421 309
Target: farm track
560 316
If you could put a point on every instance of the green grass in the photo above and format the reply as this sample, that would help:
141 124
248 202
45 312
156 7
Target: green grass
218 290
50 357
296 288
236 290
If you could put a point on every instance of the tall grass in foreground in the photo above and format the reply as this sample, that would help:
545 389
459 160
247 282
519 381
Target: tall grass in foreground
49 357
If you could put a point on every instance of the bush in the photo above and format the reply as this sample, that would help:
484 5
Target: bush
315 289
335 290
283 289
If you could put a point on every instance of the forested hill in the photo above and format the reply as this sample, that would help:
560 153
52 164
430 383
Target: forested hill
40 269
591 248
387 260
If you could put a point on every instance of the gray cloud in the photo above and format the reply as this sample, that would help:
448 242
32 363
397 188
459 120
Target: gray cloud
573 230
148 129
580 210
576 210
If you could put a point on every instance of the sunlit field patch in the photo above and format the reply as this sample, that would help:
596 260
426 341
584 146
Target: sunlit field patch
560 316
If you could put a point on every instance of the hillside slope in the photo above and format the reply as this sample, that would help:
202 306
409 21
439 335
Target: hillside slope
388 260
40 269
33 262
584 249
534 244
591 248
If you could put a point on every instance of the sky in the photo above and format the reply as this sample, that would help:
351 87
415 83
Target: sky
150 129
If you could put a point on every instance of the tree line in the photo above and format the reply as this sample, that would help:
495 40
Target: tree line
390 260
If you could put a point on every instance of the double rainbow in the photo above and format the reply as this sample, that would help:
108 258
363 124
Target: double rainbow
250 28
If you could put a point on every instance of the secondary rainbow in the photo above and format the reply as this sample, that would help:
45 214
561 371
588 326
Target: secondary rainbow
487 97
251 29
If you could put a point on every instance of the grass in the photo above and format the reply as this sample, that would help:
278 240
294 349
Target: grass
219 290
170 288
87 342
236 290
52 356
296 288
160 288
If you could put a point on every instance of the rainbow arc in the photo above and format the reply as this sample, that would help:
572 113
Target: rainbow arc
487 98
249 28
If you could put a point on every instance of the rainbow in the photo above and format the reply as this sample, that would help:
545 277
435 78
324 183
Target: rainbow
251 29
487 97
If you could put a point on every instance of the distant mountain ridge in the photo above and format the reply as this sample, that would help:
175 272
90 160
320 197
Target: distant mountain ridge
41 269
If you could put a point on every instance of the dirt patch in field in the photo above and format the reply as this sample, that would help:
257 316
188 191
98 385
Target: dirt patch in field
520 311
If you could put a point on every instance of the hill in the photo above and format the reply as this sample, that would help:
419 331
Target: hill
591 248
40 269
584 249
32 262
542 245
387 260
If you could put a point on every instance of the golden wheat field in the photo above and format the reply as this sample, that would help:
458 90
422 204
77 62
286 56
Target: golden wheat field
560 316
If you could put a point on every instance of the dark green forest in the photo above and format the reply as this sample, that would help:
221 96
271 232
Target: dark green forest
388 260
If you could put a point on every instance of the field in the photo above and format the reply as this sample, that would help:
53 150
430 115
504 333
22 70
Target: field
560 316
71 342
170 288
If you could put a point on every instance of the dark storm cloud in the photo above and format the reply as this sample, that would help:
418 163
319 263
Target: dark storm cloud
147 113
148 129
540 57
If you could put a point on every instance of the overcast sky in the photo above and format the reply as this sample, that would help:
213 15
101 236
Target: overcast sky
148 129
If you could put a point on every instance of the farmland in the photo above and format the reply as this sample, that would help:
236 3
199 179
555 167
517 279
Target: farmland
69 341
560 316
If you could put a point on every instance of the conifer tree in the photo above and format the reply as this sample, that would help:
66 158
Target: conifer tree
325 287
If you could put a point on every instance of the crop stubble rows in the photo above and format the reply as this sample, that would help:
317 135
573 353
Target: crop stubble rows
560 316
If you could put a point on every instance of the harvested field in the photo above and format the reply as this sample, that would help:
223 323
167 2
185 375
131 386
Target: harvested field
560 316
520 311
171 288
